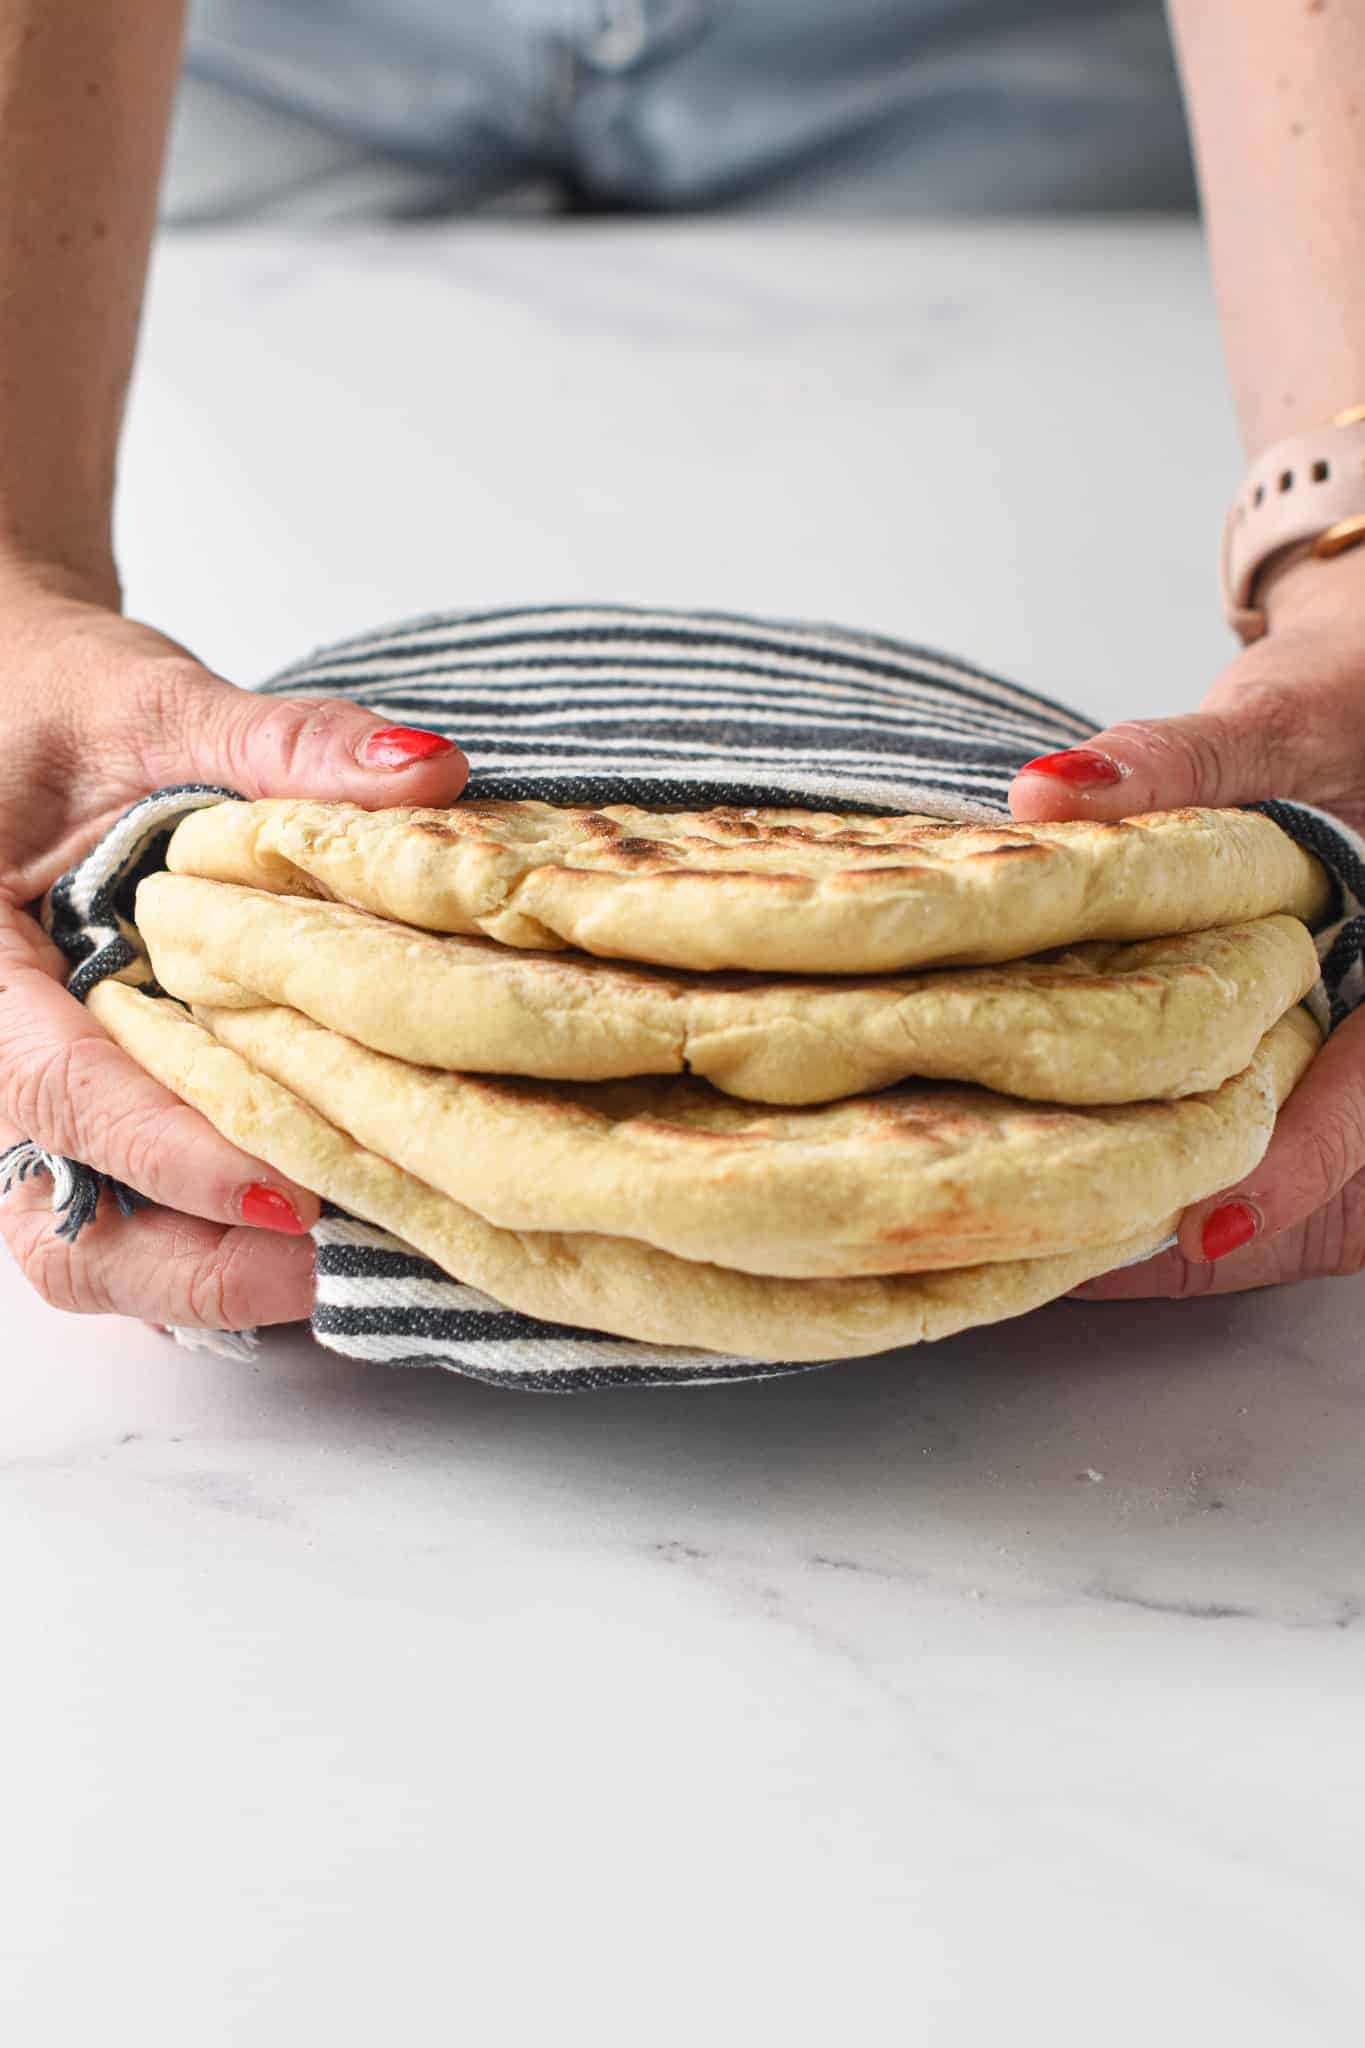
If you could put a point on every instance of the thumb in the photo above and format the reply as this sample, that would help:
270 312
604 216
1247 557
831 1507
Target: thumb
1229 754
298 746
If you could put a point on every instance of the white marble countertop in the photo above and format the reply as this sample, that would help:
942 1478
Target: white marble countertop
1010 1689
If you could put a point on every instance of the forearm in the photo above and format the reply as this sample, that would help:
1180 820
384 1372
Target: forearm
1276 94
85 93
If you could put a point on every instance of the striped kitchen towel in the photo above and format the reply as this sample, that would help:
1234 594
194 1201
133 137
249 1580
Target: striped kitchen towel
620 704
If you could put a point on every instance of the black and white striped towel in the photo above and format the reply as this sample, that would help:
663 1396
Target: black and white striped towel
619 704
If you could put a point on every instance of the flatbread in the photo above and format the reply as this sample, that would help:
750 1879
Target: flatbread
775 891
921 1178
1100 1023
596 1283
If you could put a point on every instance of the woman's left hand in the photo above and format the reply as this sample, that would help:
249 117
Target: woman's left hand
1286 718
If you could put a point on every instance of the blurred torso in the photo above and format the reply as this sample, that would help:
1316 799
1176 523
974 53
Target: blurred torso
881 105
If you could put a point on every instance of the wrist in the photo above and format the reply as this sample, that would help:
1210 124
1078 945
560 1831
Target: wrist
1314 592
26 577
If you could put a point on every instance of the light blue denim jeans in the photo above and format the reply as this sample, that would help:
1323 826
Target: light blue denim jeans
880 105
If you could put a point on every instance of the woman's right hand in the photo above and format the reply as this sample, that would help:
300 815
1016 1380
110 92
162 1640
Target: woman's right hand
98 710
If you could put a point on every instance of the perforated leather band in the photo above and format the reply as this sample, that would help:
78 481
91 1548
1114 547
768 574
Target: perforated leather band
1305 496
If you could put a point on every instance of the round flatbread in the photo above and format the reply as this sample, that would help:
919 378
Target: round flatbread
1099 1023
771 891
595 1283
920 1178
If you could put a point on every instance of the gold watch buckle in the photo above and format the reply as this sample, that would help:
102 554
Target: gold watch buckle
1335 541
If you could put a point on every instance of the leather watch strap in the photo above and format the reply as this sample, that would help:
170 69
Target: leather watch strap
1305 496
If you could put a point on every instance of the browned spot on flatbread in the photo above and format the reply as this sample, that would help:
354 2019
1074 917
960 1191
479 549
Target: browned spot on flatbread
998 851
644 849
699 1134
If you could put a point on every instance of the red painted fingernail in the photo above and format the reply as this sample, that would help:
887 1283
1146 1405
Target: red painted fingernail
1080 765
398 746
1229 1227
268 1209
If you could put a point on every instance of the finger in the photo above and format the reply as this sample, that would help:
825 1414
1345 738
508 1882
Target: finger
1318 1147
160 1266
68 1087
1330 1241
1222 756
283 746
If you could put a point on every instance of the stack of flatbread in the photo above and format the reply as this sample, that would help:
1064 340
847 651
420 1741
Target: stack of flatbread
777 1084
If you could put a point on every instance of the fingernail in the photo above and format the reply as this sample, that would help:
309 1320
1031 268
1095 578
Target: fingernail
268 1209
1078 765
1229 1227
398 746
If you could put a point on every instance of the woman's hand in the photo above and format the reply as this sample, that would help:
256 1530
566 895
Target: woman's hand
98 711
1286 718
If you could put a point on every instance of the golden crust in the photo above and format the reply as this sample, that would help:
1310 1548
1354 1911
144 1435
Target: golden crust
920 1178
776 891
596 1283
1098 1023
